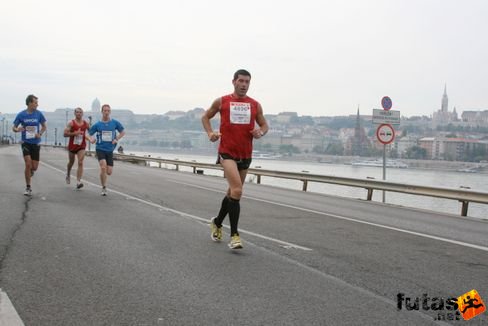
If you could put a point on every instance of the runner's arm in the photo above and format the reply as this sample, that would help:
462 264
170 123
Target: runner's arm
262 123
119 136
17 129
43 128
67 130
209 114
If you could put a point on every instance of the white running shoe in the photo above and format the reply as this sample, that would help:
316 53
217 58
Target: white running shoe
28 191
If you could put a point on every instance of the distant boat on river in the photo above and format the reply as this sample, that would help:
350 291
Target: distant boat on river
265 156
379 163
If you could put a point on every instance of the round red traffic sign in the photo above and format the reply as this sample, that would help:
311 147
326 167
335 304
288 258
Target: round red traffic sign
385 133
386 103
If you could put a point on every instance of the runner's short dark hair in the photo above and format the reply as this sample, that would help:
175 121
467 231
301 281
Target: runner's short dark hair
31 98
241 72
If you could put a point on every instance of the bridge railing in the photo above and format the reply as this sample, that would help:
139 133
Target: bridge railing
464 196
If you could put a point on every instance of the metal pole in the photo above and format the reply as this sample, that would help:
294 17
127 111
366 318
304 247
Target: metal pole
66 123
4 133
3 127
55 136
384 168
89 125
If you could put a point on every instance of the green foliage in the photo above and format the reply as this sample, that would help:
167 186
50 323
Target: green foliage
334 149
342 122
416 152
289 149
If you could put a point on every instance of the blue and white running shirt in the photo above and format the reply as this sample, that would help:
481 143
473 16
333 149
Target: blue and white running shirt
31 123
106 132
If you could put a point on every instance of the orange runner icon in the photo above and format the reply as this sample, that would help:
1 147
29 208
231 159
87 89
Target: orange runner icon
470 304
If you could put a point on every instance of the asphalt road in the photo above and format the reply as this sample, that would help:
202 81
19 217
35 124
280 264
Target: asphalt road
143 254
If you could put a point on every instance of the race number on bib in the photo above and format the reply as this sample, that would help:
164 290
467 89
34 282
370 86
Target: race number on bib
78 139
240 113
30 132
107 135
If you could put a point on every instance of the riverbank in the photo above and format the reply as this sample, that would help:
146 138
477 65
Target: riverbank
333 159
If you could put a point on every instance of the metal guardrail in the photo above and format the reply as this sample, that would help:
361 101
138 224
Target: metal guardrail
462 195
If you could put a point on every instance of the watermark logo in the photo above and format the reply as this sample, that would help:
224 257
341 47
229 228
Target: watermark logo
470 304
444 308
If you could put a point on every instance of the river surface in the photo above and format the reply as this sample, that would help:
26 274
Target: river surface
431 177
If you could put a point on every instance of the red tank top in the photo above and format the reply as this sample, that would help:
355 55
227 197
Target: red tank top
77 142
237 119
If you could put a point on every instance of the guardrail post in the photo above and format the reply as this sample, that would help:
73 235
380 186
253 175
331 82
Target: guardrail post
464 209
305 183
177 167
194 169
259 179
370 194
159 164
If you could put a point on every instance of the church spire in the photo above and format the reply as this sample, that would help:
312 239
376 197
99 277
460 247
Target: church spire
444 104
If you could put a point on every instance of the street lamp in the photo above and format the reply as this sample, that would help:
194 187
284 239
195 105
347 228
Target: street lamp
3 123
66 123
89 125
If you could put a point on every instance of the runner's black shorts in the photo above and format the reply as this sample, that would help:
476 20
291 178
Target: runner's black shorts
75 151
242 163
33 150
107 156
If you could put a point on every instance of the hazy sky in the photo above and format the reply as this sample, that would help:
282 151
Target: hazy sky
315 57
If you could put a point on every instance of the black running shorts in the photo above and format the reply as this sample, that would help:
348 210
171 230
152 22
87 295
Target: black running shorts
107 156
33 150
242 163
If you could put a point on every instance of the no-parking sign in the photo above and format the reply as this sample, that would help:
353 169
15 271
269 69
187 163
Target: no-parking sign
386 103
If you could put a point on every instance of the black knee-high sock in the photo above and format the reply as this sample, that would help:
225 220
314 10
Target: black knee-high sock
234 208
223 211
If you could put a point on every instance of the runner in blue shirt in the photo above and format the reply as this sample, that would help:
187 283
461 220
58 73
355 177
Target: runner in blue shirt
106 139
32 124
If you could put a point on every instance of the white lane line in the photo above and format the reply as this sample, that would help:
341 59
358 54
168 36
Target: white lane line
8 314
424 235
194 217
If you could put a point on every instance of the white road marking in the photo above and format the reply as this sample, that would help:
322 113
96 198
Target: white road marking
8 314
194 217
433 237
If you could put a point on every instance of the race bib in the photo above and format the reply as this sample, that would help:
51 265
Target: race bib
107 135
78 139
240 113
30 132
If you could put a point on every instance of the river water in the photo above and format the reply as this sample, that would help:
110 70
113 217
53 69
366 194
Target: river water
436 178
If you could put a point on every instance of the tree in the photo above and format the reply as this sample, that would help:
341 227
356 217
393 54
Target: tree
416 152
289 149
318 149
335 149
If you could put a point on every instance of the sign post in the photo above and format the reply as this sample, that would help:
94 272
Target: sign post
385 132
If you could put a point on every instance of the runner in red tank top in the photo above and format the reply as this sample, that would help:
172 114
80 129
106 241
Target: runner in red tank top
239 115
76 131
